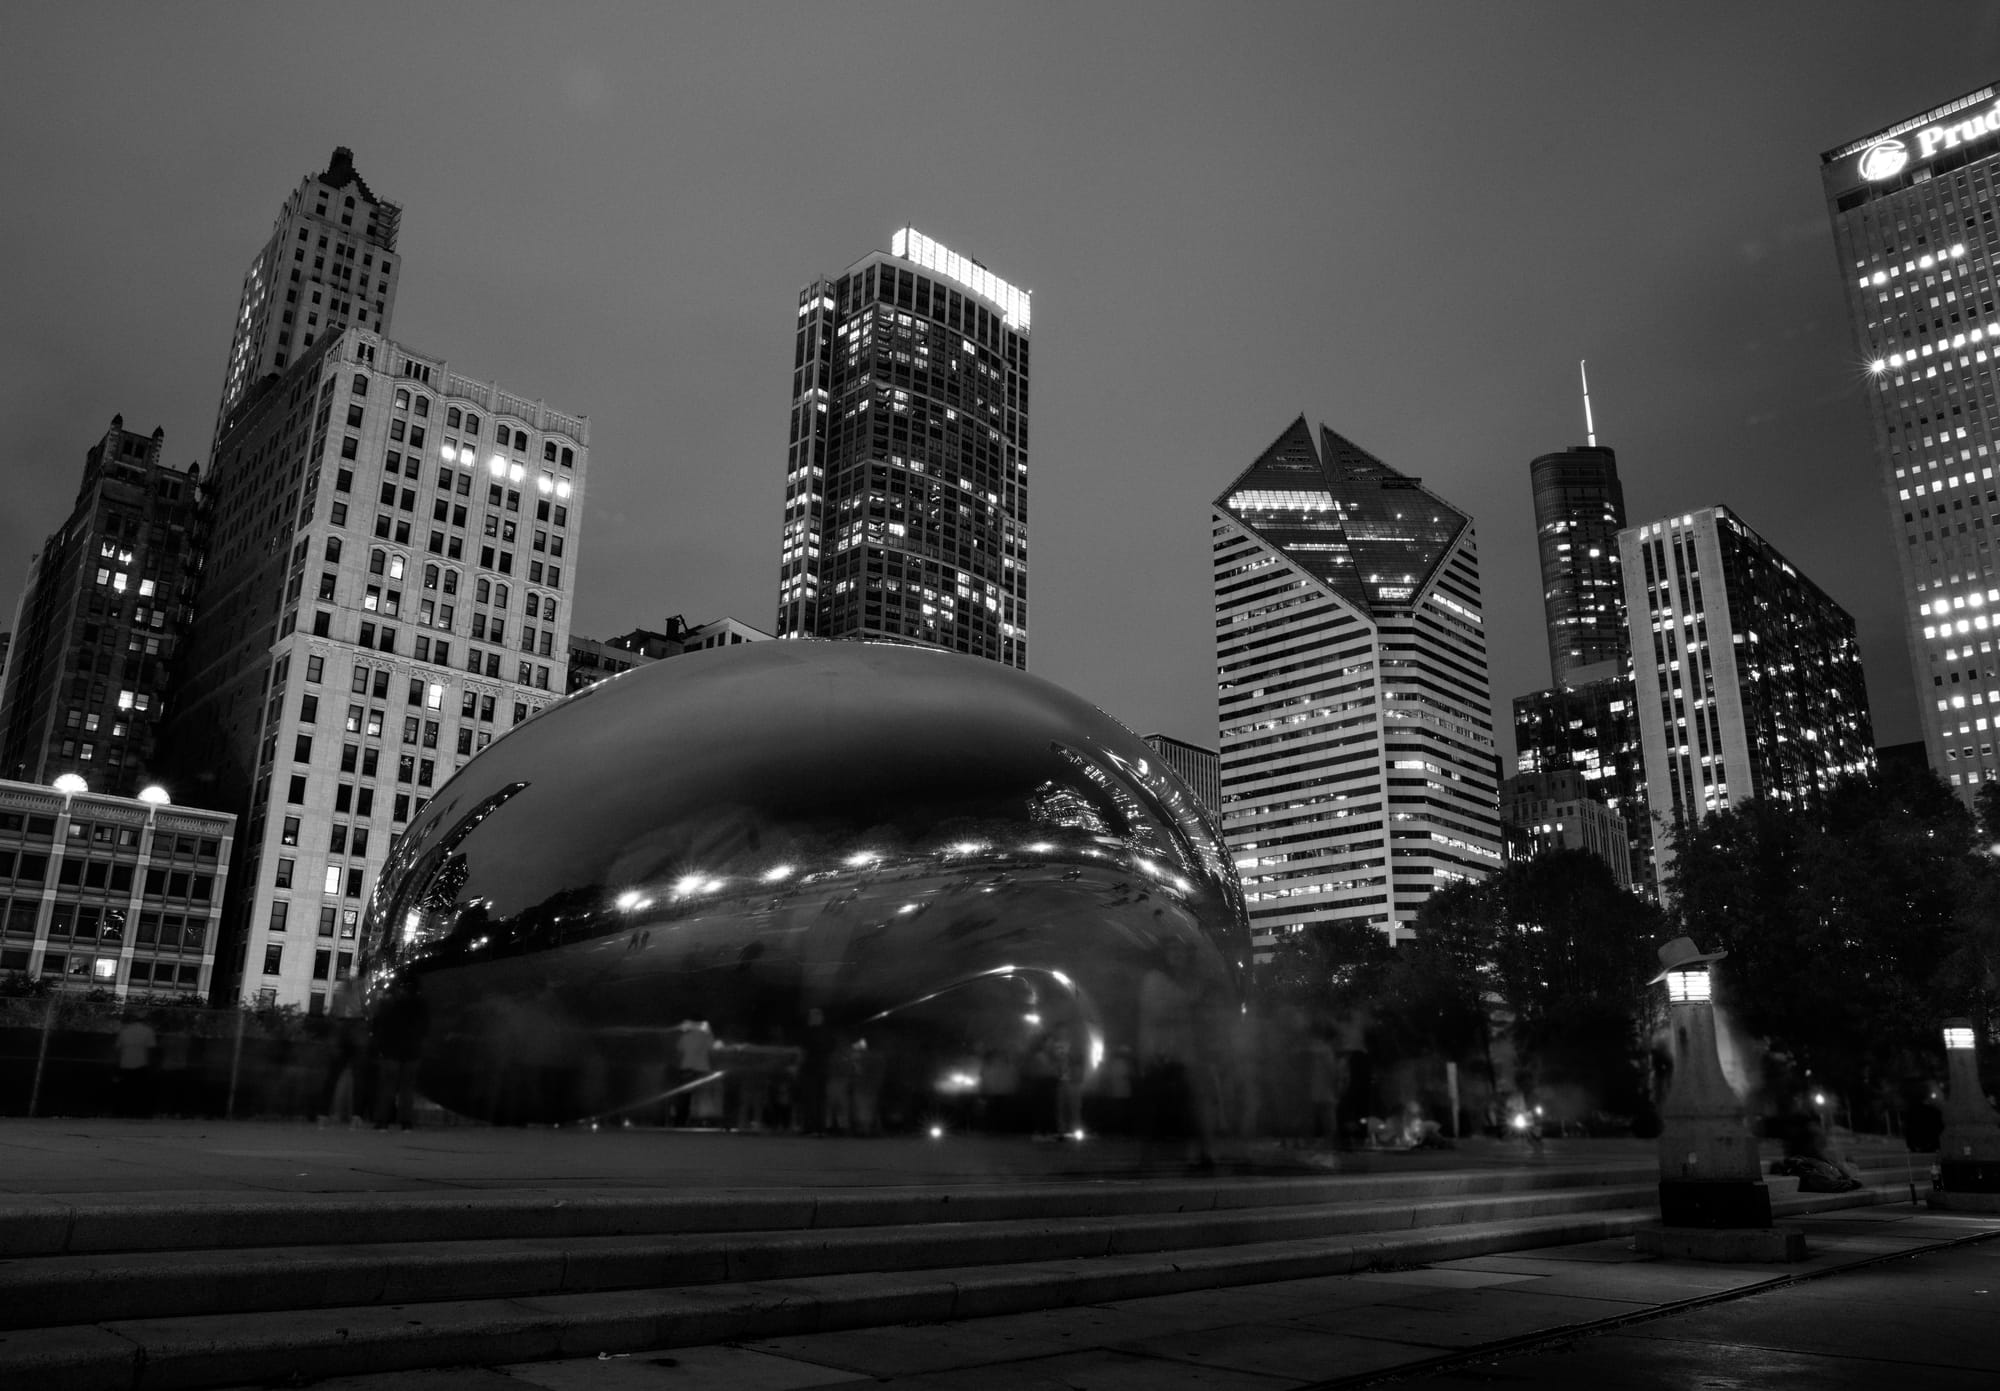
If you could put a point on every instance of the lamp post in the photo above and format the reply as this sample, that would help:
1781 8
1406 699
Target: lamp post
1968 1163
1713 1201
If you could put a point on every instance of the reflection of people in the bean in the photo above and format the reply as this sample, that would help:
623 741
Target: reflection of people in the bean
1177 1070
401 1021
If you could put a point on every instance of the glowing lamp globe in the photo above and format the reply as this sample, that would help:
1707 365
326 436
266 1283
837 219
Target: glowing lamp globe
1689 987
155 795
69 784
1957 1034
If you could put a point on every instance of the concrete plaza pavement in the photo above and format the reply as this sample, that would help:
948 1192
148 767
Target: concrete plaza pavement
1889 1295
1888 1291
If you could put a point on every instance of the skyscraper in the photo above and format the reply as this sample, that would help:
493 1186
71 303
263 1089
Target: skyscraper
1587 720
1749 676
106 605
392 554
1913 210
331 261
906 490
1579 510
1358 766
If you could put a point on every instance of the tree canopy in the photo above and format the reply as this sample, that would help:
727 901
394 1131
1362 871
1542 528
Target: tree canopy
1852 927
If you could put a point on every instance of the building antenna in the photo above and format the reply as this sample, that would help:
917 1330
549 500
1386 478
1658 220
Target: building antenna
1589 427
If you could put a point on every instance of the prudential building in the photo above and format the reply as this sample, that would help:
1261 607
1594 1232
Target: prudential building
1913 221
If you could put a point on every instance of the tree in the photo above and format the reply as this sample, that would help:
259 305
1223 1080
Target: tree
1572 952
1851 926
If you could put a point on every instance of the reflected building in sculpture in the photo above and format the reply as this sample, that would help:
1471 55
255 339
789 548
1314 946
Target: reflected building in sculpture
945 871
1196 766
906 484
1357 752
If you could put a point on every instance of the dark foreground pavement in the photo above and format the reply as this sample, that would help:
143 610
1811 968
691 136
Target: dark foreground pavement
1890 1298
1892 1295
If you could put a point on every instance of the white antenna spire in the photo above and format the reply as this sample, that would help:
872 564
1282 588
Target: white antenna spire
1589 427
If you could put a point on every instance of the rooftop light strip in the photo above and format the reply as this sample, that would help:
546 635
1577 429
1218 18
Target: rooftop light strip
912 245
1970 99
1265 499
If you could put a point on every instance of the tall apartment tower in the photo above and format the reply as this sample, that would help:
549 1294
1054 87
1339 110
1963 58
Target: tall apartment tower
393 558
1358 766
1913 210
1748 676
1587 720
105 608
331 261
906 485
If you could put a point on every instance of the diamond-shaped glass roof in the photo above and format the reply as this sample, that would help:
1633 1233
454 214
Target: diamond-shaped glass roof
1367 532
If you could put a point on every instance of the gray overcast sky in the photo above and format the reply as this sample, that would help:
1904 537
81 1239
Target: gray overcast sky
1405 220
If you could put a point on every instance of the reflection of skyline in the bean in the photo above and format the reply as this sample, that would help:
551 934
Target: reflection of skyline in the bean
816 885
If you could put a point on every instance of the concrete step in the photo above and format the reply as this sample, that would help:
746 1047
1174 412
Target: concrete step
48 1290
178 1221
167 1354
243 1348
213 1313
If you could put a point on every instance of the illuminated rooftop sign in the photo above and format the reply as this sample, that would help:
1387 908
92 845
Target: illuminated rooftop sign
1890 155
912 245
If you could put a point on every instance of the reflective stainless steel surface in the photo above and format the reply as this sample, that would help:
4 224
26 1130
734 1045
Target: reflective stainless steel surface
802 885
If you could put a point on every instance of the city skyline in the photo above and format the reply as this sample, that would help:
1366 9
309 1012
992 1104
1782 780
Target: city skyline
1687 255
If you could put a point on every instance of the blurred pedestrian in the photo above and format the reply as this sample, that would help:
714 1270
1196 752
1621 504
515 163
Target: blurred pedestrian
344 1048
135 1044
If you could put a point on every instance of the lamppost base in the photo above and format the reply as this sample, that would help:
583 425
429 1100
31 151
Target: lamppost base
1742 1245
1719 1203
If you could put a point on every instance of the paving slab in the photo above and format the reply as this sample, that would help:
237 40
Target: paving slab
1439 1278
1274 1349
1456 1319
1919 1333
1653 1282
425 1379
708 1369
1634 1364
1095 1371
907 1350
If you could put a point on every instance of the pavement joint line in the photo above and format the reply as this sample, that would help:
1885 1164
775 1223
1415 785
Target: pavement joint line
1548 1338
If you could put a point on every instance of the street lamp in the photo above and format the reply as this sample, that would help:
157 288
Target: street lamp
1968 1167
1713 1202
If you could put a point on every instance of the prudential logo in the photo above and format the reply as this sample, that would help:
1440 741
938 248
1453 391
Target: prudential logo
1884 160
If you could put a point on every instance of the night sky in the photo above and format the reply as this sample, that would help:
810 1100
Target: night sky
1407 221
